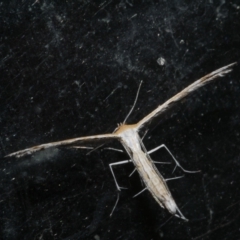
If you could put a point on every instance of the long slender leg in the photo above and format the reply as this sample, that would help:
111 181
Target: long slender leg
175 160
140 192
110 165
114 149
168 179
92 148
132 172
115 205
114 164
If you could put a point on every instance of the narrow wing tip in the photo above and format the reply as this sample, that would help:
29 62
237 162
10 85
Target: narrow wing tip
25 152
234 63
229 66
18 154
224 70
221 72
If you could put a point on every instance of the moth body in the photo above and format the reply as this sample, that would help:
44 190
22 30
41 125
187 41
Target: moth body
148 172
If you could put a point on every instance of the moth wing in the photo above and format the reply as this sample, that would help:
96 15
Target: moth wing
192 87
88 139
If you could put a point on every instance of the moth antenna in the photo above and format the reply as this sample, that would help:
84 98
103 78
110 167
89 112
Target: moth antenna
135 101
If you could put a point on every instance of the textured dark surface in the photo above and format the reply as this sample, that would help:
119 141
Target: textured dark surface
73 69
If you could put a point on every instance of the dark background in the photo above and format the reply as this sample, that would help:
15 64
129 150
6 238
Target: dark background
71 69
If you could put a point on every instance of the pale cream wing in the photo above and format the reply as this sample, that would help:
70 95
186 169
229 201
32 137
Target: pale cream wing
194 86
88 139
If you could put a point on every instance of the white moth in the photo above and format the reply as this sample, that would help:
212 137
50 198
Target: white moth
129 137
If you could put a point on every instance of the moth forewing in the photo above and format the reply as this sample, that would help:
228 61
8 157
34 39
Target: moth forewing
80 140
192 87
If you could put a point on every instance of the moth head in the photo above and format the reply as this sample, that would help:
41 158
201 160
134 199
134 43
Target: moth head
118 127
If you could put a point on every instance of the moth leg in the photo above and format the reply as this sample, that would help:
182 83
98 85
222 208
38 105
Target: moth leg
132 172
110 165
114 164
81 147
91 148
114 149
175 160
168 179
114 206
139 192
